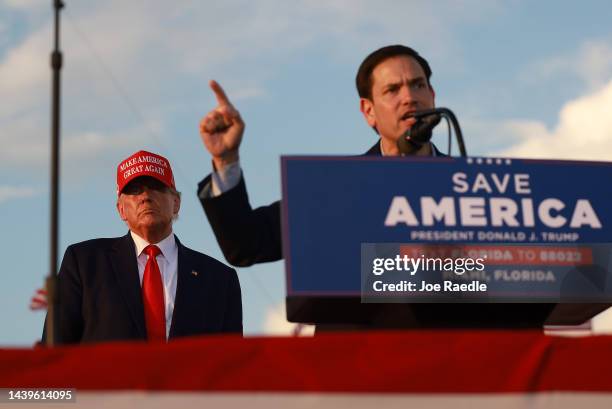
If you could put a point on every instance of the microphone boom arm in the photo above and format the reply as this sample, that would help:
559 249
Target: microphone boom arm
448 114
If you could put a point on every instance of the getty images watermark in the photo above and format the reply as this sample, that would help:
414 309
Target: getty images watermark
412 266
485 273
392 272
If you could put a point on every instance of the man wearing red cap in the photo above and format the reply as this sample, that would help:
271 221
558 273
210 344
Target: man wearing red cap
145 285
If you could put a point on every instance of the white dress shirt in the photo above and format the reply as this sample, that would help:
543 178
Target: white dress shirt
167 260
225 179
433 150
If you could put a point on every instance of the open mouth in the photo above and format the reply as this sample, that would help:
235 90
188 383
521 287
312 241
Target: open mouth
407 115
407 119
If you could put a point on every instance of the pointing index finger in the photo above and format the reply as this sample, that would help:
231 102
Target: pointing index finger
219 93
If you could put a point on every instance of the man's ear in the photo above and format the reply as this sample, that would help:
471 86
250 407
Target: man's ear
433 92
367 109
177 204
120 209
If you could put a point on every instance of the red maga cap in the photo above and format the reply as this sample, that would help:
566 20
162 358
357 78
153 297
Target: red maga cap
143 163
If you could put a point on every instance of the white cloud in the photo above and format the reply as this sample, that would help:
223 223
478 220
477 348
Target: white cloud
15 192
155 57
143 42
28 4
602 322
22 72
584 131
591 64
277 324
595 63
21 150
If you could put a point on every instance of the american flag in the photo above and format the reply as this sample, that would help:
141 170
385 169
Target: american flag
39 300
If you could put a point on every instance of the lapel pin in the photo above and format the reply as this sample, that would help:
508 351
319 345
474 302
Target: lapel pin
194 273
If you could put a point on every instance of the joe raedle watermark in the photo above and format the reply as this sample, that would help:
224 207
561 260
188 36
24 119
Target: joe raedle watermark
485 272
396 275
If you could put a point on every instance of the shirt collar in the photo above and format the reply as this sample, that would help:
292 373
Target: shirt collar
167 246
433 149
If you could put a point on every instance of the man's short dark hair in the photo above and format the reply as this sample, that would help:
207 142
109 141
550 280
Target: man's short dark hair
364 74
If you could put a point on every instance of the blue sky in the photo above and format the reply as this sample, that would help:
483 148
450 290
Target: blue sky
525 78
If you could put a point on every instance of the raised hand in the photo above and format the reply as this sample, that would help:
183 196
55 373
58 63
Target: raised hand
221 129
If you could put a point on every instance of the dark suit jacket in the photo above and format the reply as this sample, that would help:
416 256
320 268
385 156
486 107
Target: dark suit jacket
100 295
248 236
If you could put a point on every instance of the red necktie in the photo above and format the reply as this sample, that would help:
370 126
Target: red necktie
153 297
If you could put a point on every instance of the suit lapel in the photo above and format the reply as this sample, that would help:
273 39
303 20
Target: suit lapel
184 291
438 153
125 268
193 298
374 150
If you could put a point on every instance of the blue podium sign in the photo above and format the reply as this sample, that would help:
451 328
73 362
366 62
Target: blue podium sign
533 223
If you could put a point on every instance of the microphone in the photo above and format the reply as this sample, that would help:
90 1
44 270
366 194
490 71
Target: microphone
420 133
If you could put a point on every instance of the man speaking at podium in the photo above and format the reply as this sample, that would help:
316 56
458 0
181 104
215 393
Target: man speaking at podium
392 82
145 285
